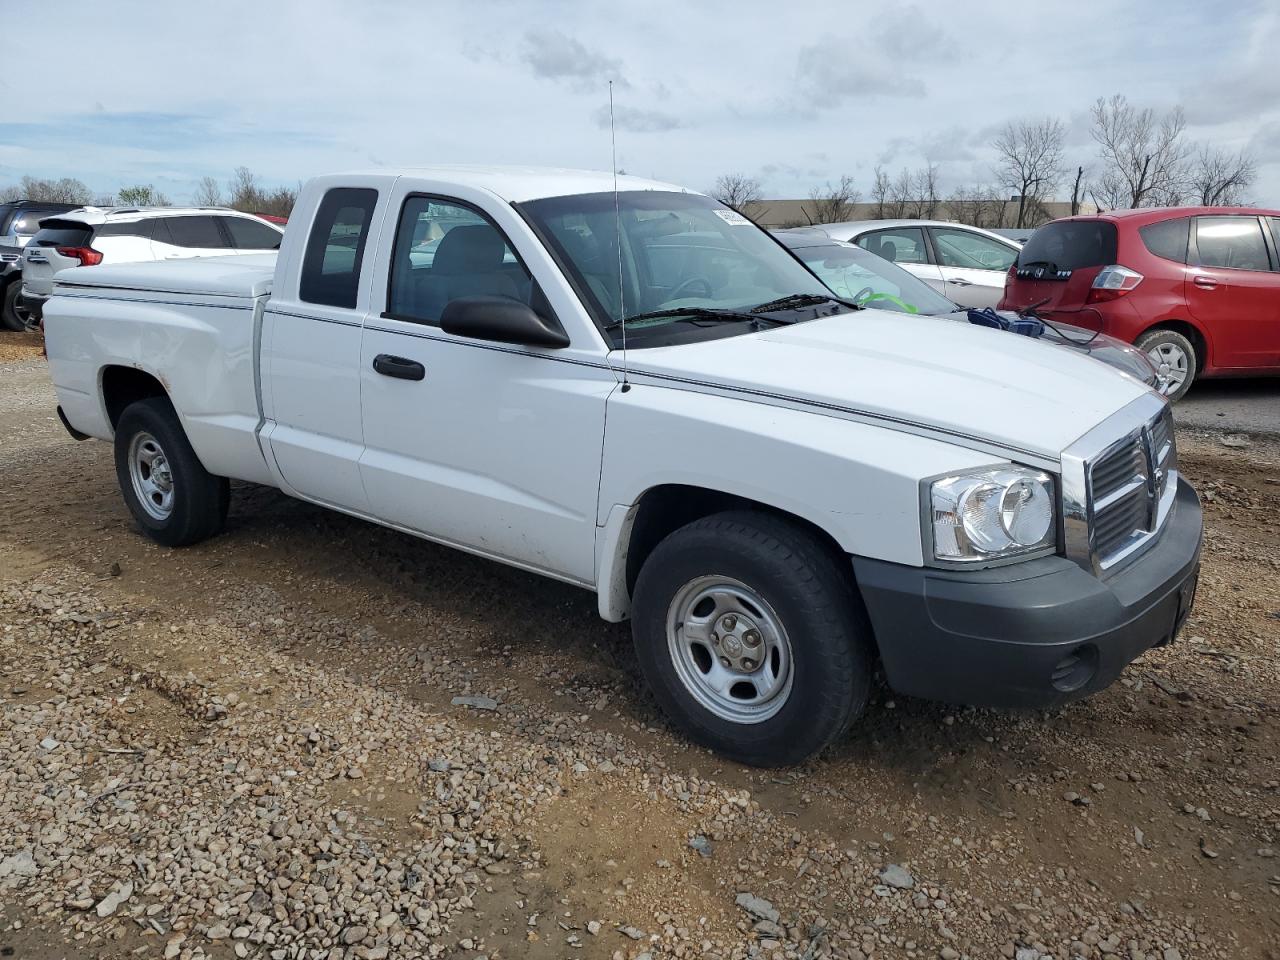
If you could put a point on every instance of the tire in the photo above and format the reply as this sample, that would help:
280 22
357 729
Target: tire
195 507
791 582
1175 356
10 319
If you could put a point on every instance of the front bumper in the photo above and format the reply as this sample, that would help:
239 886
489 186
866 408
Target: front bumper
1031 634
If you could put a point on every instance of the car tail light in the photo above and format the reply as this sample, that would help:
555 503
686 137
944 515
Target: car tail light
1112 283
87 256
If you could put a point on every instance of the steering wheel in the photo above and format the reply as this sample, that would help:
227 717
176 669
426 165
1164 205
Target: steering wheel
680 290
858 297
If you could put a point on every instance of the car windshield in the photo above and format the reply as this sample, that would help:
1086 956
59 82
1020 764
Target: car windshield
678 250
855 274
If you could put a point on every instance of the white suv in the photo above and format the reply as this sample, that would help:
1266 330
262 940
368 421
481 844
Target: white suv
91 236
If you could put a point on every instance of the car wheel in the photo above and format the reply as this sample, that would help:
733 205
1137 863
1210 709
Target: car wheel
171 495
10 317
1174 357
752 638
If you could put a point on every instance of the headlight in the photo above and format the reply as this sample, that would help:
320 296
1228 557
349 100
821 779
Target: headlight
991 514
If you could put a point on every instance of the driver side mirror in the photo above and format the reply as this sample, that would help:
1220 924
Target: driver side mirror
502 319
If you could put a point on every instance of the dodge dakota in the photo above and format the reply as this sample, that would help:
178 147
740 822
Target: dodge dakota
629 387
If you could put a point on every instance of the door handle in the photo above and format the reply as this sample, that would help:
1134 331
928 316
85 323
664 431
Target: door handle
1205 283
960 281
399 367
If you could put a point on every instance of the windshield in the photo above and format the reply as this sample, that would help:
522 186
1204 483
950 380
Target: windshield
855 274
678 250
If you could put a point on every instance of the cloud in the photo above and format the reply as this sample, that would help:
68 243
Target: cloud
908 31
637 119
557 56
834 70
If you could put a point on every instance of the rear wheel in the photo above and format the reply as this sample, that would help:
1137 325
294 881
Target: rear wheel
171 495
1174 357
752 638
10 317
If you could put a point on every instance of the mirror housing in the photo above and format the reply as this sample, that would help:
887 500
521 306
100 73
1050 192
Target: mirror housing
502 319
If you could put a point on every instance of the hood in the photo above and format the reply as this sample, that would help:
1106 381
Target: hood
1114 353
960 379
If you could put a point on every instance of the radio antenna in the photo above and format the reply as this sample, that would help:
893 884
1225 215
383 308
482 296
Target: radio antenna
617 224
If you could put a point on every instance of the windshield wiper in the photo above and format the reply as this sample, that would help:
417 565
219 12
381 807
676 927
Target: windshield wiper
803 300
696 313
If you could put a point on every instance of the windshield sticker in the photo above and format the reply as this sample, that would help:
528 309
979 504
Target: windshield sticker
732 216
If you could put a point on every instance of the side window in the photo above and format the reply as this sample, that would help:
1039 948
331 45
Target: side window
1167 239
903 245
194 232
447 250
973 251
1275 233
335 249
125 228
1232 242
247 234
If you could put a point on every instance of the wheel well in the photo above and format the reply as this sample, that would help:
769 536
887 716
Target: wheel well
1191 333
122 386
663 510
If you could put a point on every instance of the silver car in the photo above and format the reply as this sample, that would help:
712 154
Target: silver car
965 264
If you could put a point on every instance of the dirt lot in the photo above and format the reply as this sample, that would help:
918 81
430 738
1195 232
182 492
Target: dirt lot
249 749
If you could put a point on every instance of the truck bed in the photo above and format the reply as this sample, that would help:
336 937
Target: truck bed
194 326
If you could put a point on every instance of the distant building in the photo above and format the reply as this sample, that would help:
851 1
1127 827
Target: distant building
777 214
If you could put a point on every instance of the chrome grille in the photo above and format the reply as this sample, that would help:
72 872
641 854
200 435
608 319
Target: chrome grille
1118 491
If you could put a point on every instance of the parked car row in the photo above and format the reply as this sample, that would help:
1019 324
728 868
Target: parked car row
47 238
1195 288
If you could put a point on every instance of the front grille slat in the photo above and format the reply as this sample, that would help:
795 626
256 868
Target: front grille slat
1126 486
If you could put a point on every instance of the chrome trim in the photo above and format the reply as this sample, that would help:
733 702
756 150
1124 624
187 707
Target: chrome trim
1130 426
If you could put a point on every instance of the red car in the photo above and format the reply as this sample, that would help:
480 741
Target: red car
1197 288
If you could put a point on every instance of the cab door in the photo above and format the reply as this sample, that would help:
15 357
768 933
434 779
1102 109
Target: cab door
492 447
310 355
1233 290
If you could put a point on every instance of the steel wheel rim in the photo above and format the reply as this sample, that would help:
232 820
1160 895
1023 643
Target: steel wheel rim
1172 363
152 476
730 649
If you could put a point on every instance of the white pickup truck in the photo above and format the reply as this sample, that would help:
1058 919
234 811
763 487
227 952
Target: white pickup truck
642 393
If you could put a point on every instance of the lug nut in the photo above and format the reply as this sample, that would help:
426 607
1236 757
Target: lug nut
730 622
715 639
724 661
751 638
748 664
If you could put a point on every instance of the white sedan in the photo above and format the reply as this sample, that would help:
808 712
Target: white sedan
965 264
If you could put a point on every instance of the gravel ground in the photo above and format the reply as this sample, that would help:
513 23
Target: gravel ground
315 738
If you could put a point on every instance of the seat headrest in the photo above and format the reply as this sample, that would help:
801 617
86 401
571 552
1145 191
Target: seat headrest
476 248
889 250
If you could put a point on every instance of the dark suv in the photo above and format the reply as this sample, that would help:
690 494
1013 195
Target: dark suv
19 222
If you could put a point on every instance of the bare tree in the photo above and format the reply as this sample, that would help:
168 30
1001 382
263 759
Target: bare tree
10 193
979 206
735 190
65 190
1030 161
142 195
880 193
833 203
900 194
1077 191
244 190
1143 154
208 194
924 192
1219 179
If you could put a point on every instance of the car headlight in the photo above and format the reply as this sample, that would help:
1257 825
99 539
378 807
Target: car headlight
991 514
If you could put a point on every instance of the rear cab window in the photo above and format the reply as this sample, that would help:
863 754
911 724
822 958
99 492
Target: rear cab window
335 248
1167 239
1070 245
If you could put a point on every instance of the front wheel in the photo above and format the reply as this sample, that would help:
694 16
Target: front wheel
1174 357
752 638
174 499
11 318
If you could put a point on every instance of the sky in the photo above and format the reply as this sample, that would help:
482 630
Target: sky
792 93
